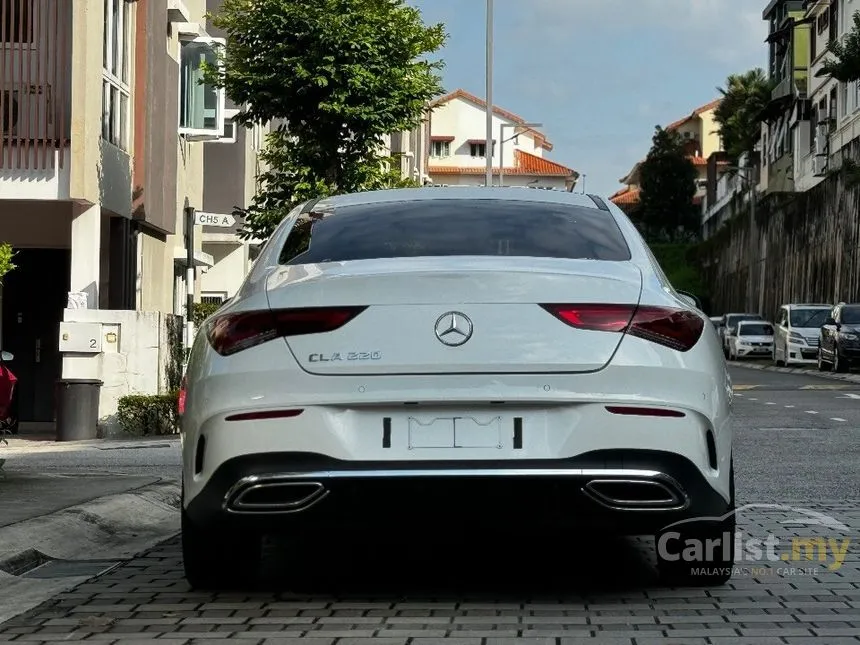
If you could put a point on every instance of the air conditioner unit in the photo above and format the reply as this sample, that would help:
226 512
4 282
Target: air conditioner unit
822 143
819 166
28 111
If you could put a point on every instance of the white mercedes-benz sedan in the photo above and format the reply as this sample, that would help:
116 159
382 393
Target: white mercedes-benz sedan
471 357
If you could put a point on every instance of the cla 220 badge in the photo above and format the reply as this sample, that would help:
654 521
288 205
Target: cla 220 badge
344 356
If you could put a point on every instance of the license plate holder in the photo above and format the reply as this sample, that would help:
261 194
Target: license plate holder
455 432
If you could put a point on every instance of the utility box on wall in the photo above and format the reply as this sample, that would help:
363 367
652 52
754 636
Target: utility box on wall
80 338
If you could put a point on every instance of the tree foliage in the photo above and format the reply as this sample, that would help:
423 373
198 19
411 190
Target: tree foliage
332 77
738 115
668 184
845 66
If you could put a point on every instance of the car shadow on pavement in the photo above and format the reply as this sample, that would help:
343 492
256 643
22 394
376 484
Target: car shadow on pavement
394 565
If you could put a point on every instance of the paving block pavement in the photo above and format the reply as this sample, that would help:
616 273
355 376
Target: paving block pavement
396 589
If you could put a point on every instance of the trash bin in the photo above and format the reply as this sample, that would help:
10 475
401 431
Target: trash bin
77 409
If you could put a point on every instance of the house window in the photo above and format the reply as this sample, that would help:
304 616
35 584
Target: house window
17 22
230 127
116 71
201 106
833 20
440 149
478 149
213 298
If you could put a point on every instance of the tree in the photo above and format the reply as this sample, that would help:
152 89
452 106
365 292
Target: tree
668 184
737 116
845 67
335 76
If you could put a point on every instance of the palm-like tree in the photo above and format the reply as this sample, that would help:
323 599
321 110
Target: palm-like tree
738 115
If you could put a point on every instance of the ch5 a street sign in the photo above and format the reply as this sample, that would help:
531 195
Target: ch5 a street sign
214 219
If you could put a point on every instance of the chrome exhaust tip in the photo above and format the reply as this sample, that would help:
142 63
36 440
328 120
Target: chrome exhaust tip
636 494
254 495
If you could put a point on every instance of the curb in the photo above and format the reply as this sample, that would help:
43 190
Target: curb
82 542
116 527
833 376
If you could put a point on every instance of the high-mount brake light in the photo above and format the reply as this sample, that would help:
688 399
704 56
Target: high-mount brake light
234 332
677 329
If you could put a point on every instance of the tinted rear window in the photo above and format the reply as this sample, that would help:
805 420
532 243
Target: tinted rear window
449 227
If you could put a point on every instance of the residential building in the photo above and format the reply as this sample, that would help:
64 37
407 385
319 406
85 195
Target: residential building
699 132
833 107
102 149
458 147
231 168
785 128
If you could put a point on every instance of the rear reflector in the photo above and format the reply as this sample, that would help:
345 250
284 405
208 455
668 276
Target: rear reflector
233 332
644 412
183 394
264 414
677 329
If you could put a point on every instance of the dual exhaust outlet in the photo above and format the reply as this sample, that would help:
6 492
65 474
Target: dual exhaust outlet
261 495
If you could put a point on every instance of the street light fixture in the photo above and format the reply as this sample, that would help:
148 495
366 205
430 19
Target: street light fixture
502 140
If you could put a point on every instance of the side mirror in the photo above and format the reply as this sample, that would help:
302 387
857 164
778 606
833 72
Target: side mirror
690 299
6 356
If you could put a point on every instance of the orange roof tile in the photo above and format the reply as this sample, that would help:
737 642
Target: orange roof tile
516 118
526 164
626 196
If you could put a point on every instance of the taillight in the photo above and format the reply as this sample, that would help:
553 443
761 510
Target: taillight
674 328
231 333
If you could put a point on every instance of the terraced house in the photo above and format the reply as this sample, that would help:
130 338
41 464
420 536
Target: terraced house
104 145
699 131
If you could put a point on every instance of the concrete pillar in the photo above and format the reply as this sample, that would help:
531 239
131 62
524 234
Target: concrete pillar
86 253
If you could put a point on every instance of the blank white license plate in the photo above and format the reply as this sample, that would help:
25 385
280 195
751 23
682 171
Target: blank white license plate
455 432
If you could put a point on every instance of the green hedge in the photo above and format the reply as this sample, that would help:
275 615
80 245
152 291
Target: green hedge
149 414
202 310
680 263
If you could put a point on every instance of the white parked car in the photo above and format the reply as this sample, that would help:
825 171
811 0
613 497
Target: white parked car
464 357
751 339
797 332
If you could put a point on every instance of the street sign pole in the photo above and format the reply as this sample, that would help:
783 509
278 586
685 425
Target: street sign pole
189 277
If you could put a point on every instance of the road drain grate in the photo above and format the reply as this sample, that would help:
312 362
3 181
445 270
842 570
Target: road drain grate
70 568
23 562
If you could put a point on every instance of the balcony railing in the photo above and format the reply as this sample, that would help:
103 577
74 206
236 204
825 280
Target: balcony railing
35 82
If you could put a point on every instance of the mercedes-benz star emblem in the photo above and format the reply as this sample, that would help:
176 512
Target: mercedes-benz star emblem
453 328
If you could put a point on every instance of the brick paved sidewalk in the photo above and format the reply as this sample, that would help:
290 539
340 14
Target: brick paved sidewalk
382 592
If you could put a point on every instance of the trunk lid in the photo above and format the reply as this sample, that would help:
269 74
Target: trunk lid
454 316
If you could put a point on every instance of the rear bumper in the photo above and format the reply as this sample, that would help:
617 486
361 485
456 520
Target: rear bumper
625 492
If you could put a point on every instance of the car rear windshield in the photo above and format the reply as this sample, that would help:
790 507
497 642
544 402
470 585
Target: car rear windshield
450 227
748 329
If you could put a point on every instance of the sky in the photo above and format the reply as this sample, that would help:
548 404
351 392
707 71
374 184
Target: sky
600 74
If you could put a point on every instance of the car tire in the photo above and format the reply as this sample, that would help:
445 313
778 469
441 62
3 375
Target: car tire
219 559
716 572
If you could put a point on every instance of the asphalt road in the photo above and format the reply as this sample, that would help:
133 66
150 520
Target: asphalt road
797 436
797 444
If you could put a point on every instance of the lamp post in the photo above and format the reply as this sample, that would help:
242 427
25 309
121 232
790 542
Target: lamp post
513 136
489 146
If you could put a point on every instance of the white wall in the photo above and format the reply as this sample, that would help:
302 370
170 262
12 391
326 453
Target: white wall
231 267
464 120
136 363
475 179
